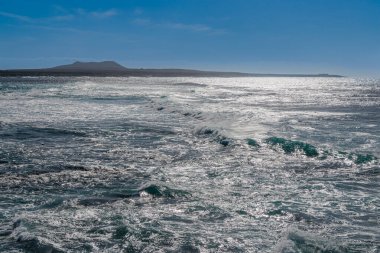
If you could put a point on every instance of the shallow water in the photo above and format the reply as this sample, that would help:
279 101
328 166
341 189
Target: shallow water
189 164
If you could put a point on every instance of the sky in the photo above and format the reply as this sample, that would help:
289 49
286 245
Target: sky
257 36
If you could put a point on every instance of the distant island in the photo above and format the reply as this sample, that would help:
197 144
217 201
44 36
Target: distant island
111 68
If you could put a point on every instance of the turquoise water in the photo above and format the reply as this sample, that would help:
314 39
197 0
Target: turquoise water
189 164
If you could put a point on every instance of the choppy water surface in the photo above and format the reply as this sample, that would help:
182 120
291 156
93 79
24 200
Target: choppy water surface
189 165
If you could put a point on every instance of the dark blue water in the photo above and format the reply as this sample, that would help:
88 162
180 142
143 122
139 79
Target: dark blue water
189 165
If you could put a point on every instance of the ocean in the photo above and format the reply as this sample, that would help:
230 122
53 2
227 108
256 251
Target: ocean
110 164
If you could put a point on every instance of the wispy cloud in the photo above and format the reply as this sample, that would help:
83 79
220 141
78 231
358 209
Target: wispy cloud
57 29
62 17
16 16
65 16
28 19
97 14
178 26
62 29
189 27
104 14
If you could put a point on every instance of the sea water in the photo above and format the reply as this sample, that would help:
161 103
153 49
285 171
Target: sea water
112 164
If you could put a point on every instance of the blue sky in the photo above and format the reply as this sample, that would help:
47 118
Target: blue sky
267 36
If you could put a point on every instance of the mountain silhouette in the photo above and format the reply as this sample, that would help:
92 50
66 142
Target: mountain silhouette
111 68
91 66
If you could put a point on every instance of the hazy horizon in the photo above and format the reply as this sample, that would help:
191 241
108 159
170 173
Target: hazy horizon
101 62
303 37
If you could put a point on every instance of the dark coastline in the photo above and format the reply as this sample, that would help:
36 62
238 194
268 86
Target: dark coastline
148 73
110 68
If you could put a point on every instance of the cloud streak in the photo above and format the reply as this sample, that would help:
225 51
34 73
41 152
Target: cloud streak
104 14
15 16
67 16
62 29
178 26
97 14
189 27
